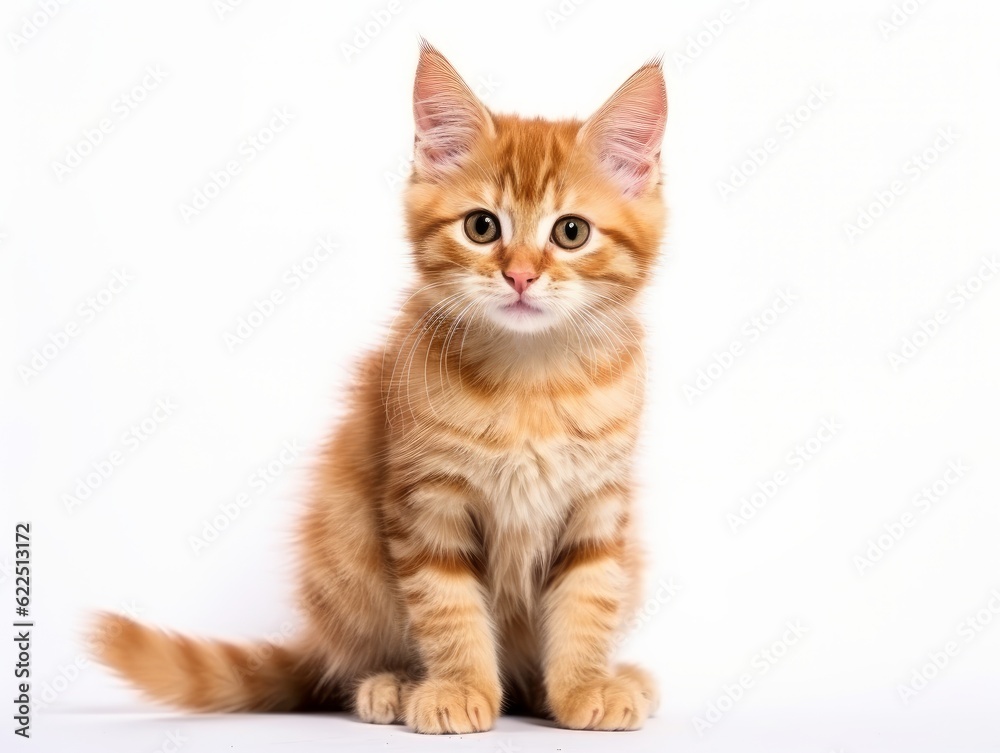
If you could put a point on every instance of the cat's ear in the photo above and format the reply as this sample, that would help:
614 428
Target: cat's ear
449 117
626 133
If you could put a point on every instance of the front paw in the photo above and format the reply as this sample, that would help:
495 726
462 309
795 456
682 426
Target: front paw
616 702
448 707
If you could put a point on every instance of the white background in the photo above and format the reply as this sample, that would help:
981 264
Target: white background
335 171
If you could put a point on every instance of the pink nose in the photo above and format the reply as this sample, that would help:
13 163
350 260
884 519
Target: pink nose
520 278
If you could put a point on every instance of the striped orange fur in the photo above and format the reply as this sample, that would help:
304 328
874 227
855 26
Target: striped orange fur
470 542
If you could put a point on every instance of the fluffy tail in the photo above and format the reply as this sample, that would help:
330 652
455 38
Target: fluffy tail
209 676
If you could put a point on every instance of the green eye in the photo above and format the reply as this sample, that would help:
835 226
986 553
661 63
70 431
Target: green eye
570 232
482 227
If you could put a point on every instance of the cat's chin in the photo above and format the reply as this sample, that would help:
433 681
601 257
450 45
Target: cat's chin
522 318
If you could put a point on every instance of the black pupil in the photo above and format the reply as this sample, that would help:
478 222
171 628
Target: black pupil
484 224
572 229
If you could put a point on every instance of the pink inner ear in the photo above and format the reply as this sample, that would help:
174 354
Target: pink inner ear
445 130
448 115
627 131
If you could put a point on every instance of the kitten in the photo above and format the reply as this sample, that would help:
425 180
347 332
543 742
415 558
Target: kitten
470 543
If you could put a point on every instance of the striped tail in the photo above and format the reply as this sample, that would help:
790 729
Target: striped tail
207 676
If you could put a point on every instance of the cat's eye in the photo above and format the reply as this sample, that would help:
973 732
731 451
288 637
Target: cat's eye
570 232
482 227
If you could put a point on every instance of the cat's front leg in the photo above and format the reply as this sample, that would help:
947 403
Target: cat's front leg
582 606
434 553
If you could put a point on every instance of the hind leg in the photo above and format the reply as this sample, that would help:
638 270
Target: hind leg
380 698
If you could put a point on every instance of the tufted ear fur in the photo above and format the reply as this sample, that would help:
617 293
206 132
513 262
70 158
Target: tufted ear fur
449 117
626 133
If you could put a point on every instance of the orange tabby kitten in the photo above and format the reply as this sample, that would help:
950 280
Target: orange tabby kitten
470 545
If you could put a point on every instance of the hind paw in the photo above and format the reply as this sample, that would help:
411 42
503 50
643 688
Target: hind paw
380 698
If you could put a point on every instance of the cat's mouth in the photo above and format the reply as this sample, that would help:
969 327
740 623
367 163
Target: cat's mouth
522 316
522 307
